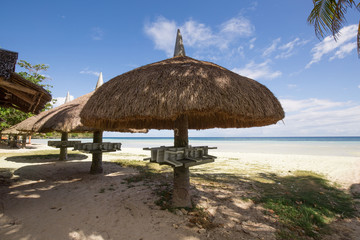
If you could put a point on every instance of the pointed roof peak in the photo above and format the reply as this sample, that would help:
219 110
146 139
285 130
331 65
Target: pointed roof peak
179 46
100 81
67 99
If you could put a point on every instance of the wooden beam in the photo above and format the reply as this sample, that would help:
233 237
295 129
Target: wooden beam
7 85
20 95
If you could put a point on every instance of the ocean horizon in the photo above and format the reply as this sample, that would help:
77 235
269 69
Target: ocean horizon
325 146
327 139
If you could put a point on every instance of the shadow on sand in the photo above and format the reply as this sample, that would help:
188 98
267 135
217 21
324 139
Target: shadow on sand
43 158
61 200
300 205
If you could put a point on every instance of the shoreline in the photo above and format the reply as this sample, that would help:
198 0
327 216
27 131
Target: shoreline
343 169
318 148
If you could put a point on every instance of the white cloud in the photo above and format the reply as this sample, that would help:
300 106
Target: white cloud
258 71
197 34
251 43
329 45
285 50
87 71
344 50
309 105
359 86
61 100
271 48
162 31
319 117
97 33
239 26
288 49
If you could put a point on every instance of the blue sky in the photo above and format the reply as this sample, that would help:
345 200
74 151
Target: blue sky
317 81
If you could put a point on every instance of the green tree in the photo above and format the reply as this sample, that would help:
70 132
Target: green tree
32 73
329 16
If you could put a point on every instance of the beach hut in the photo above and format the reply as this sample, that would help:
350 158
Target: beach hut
13 136
66 119
16 91
181 93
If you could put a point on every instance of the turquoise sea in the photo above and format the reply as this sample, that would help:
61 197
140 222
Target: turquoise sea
328 146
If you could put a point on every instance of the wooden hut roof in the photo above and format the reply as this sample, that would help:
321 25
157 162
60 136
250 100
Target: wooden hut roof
64 118
17 92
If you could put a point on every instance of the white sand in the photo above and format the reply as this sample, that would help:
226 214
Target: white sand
60 200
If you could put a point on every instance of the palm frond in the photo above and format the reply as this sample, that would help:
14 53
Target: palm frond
358 41
322 16
328 16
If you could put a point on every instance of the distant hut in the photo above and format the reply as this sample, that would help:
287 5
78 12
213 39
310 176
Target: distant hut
66 119
13 135
181 93
17 92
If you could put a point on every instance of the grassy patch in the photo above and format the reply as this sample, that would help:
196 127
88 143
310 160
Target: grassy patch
42 156
36 152
305 203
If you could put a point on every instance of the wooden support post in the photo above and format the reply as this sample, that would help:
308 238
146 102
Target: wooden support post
23 141
63 150
181 192
96 165
13 141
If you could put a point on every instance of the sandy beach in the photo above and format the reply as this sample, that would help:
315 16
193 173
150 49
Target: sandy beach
47 199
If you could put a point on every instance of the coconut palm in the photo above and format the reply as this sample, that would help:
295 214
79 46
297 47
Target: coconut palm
329 16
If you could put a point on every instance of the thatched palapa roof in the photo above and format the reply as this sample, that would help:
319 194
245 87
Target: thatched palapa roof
12 131
64 118
153 96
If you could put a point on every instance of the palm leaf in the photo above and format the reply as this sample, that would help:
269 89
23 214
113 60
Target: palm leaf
329 16
322 16
358 35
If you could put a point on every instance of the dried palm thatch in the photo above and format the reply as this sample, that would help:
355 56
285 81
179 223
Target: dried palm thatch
12 130
153 96
64 118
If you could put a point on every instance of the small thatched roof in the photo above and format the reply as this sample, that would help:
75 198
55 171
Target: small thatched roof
12 130
64 118
153 96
